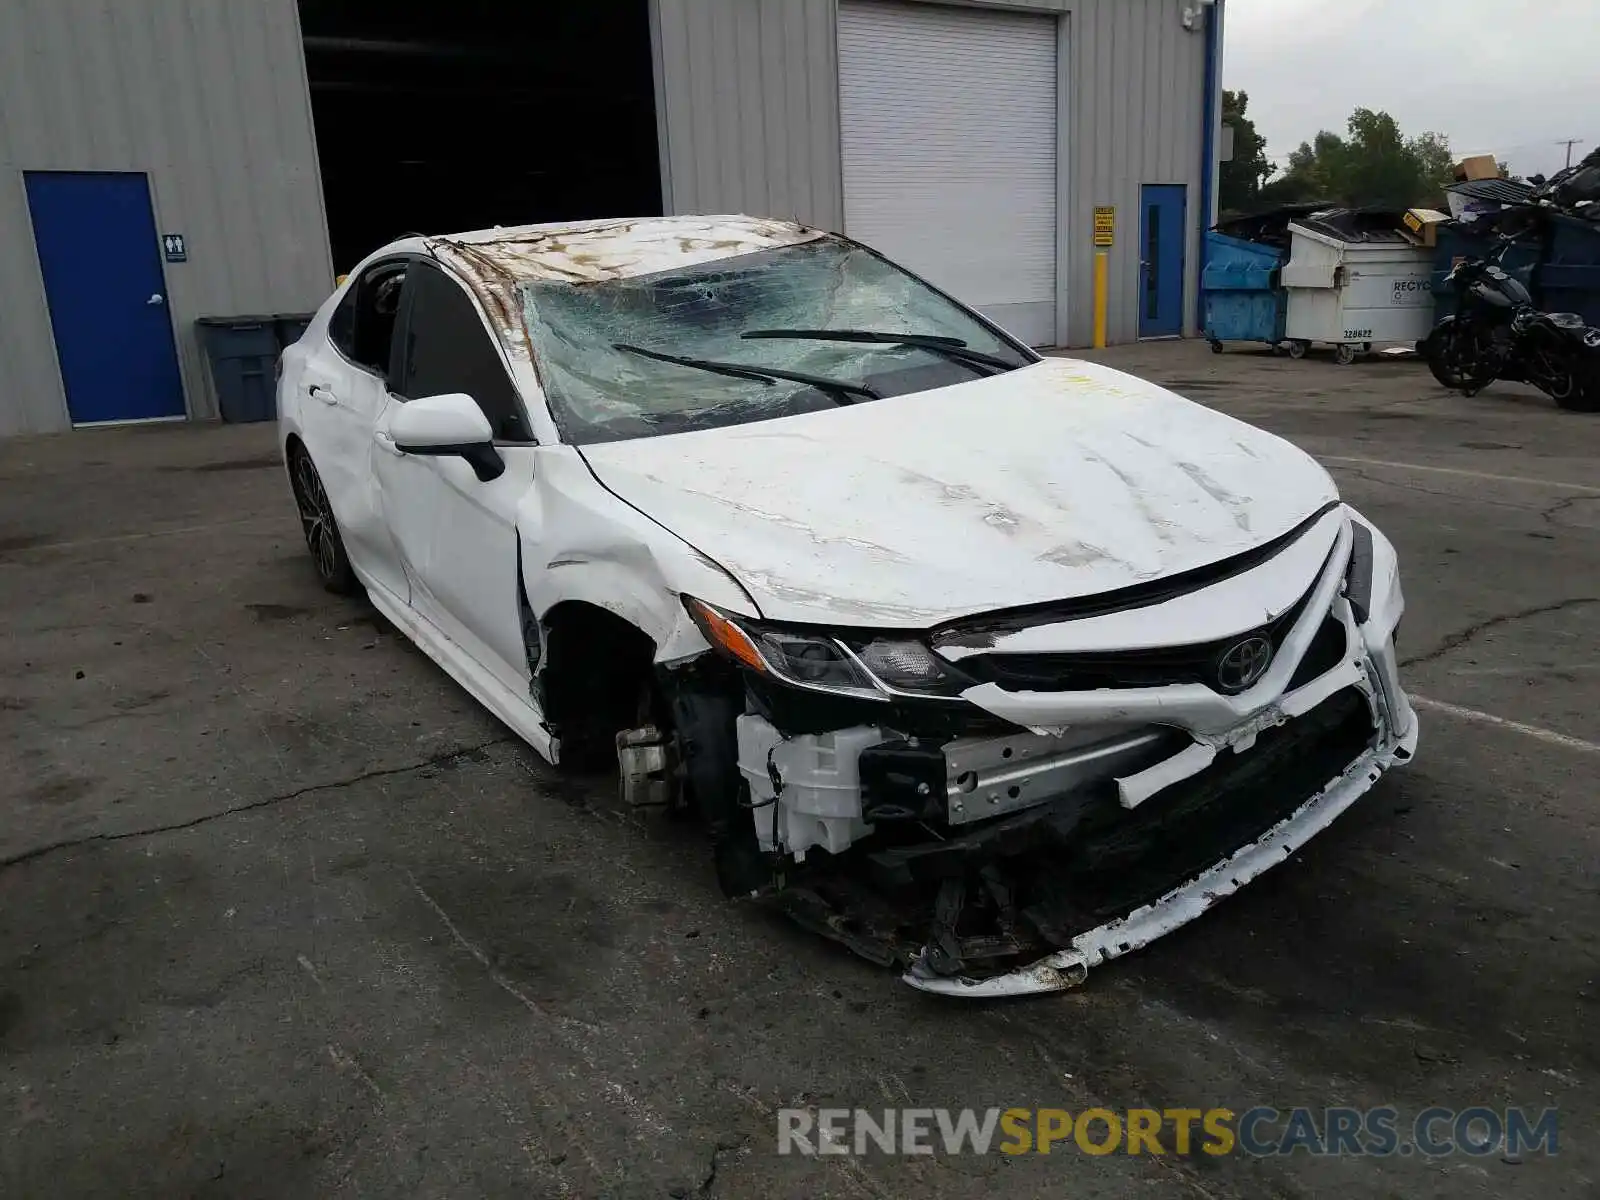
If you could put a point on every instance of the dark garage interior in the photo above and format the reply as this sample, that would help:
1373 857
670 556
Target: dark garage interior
438 117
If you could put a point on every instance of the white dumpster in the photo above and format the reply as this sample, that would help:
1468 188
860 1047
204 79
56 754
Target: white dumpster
1354 288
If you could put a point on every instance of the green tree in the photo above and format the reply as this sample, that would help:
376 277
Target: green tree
1373 164
1312 175
1437 163
1240 179
1378 166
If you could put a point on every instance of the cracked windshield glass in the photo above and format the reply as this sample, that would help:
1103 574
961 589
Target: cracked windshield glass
748 338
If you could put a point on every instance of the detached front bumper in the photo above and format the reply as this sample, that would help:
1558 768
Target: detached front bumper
1360 593
1068 968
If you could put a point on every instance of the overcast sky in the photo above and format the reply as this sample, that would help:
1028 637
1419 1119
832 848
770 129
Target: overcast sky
1507 77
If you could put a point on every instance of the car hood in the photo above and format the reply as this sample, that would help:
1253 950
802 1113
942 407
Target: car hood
1059 480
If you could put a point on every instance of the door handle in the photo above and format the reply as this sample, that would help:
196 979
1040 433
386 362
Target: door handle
386 442
319 392
156 298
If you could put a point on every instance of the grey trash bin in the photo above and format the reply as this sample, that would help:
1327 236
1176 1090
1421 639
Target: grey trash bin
290 327
243 352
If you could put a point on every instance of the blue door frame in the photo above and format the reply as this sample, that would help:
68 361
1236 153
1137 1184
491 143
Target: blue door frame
1161 252
98 252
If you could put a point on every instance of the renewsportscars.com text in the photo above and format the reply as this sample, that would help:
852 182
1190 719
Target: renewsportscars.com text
1261 1131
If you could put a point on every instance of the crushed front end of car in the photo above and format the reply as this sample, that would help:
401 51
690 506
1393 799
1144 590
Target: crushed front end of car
999 803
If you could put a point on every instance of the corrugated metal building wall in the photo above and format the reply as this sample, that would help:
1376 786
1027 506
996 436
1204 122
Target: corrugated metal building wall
748 96
1138 87
209 99
747 107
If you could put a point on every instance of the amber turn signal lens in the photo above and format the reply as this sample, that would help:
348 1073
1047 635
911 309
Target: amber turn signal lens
724 634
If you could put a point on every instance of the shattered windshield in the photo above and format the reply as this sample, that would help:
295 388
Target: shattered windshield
748 338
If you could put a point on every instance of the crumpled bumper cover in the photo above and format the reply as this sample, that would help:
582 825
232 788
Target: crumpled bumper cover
1373 671
1069 967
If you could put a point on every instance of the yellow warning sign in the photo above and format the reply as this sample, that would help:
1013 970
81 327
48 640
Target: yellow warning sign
1105 225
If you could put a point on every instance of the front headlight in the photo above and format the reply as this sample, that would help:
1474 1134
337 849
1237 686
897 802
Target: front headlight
875 668
813 661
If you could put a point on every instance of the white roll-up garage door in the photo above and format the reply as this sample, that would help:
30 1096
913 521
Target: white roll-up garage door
948 118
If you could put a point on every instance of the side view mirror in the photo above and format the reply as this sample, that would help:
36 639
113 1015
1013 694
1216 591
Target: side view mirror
451 424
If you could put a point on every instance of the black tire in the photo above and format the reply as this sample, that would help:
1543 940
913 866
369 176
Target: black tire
1345 354
1584 399
1216 347
1298 348
1445 349
1563 388
319 526
1571 380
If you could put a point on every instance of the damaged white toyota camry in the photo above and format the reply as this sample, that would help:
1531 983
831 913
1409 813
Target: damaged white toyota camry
992 667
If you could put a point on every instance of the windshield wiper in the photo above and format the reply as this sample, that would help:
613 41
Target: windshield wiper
949 347
840 388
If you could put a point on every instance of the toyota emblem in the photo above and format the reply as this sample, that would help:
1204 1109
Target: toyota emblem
1243 663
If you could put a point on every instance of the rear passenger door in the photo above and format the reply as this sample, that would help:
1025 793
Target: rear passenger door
457 534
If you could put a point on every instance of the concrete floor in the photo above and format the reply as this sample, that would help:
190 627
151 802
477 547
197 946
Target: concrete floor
283 913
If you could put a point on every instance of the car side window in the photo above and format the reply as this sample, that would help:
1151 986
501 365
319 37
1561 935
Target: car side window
362 326
377 308
447 349
342 325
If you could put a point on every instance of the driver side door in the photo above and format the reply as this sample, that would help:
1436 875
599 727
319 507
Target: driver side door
457 534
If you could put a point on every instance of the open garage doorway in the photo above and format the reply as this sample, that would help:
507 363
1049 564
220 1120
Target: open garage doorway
437 117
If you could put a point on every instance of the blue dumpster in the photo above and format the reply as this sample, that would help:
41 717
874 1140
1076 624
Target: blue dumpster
1239 292
1456 241
1569 277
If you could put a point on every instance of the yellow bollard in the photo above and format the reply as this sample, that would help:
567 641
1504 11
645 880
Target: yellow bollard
1100 266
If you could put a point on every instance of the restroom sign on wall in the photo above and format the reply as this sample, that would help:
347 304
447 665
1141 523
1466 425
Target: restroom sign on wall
173 247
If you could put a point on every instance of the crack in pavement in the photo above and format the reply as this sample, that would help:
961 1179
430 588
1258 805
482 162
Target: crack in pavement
1185 1175
1365 477
1455 641
264 802
1549 514
722 1146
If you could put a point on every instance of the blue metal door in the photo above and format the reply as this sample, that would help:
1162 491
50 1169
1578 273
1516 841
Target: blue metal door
1161 238
98 251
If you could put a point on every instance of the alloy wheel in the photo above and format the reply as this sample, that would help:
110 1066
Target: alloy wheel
316 517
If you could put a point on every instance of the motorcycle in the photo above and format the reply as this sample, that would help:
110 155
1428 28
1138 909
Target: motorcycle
1497 333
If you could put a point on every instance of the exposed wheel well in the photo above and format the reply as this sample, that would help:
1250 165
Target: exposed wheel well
595 677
